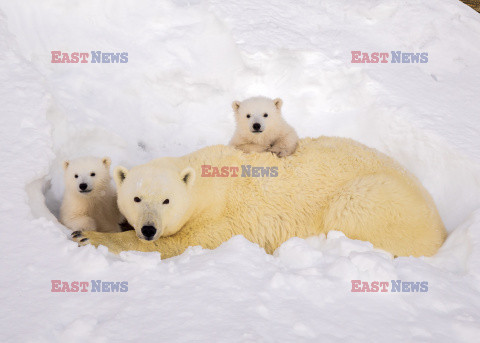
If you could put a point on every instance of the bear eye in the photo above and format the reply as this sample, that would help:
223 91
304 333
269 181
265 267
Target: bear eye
265 115
248 115
166 201
76 176
137 199
92 174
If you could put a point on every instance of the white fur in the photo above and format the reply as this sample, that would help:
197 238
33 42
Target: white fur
328 184
96 208
150 195
275 134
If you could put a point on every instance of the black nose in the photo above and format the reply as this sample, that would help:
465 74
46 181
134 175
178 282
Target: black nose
149 231
256 126
83 186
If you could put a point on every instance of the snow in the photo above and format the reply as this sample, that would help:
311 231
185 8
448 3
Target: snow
188 60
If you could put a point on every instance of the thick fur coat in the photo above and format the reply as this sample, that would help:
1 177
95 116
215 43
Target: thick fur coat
90 200
327 184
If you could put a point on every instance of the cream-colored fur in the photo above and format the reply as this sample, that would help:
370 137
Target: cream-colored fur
276 135
327 184
95 208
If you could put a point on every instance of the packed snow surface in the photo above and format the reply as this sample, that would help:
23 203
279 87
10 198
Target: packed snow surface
187 61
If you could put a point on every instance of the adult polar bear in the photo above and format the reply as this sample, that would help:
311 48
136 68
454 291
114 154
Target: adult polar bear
327 184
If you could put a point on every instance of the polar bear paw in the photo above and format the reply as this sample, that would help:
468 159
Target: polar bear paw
280 152
115 242
82 237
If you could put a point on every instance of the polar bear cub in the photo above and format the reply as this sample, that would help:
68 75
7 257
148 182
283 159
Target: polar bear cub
261 127
90 201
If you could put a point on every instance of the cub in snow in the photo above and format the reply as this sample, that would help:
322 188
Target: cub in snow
261 127
90 201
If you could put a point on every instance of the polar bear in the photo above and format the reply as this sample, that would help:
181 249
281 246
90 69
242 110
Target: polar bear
328 184
90 200
261 127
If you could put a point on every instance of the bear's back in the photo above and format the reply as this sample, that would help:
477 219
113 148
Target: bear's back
303 181
327 161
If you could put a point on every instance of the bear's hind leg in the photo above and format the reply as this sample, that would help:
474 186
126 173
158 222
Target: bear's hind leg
388 211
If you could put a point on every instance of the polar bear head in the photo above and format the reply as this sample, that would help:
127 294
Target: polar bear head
87 176
258 114
153 199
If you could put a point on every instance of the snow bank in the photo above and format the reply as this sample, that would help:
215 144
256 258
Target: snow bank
187 61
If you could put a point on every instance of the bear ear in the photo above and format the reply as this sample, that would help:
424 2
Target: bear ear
66 164
278 103
119 175
107 161
236 105
188 176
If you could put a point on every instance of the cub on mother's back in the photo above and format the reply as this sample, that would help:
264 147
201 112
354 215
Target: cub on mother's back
261 127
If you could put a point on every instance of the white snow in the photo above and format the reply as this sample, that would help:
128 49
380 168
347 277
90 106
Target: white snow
187 61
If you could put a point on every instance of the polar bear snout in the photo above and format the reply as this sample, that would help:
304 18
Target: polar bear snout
83 187
148 231
256 127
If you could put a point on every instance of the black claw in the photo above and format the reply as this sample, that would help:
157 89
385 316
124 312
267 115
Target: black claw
76 233
83 240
